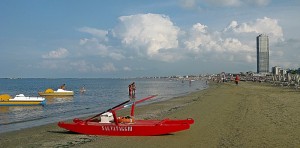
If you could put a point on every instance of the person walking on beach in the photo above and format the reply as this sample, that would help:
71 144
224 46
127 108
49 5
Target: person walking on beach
237 79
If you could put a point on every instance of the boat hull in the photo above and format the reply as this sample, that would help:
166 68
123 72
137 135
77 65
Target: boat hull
138 128
22 103
56 94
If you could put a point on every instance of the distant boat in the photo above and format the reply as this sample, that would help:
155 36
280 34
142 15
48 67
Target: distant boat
20 100
59 92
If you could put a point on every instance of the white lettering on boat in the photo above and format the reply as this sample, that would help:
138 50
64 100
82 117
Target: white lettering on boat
117 128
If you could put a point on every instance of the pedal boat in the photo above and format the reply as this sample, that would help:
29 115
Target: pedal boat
58 92
21 100
111 125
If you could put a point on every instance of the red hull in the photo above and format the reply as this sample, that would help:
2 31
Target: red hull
138 128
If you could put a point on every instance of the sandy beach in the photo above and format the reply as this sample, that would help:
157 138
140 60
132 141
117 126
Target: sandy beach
226 115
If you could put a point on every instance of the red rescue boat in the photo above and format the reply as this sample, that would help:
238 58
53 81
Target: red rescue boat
107 123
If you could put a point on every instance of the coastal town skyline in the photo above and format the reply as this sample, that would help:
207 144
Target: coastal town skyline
95 39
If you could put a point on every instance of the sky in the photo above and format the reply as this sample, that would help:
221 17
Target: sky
139 38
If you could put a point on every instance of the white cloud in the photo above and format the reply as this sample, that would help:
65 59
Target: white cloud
155 37
93 46
101 34
83 66
266 25
212 46
56 54
148 33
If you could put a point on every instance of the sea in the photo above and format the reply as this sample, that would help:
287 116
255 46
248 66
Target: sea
100 95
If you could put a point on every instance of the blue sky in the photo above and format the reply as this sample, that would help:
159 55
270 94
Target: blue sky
103 39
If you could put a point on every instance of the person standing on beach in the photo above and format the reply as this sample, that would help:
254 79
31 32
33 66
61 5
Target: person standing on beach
237 79
131 89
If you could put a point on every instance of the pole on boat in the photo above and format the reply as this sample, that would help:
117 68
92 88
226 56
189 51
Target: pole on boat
136 102
108 110
132 109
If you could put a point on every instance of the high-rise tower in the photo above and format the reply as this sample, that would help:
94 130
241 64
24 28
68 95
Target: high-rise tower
262 46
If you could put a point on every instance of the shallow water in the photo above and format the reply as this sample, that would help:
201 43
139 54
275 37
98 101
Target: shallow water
100 95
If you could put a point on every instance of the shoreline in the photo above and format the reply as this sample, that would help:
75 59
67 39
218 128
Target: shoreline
248 115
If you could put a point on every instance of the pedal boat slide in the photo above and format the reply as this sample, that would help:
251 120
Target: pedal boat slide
111 125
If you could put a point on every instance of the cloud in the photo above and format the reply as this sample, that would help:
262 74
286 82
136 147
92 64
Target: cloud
148 34
117 56
108 67
154 37
100 34
92 46
83 66
265 25
217 46
56 54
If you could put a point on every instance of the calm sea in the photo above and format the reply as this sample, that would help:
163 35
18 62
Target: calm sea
100 95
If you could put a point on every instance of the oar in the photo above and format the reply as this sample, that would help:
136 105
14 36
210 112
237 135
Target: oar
136 102
108 110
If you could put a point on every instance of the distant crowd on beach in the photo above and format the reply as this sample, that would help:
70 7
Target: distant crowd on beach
286 80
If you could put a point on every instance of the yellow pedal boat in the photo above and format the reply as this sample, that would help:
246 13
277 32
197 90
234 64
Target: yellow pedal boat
20 100
58 92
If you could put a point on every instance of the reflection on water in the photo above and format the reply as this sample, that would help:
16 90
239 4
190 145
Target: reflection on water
14 114
58 99
4 109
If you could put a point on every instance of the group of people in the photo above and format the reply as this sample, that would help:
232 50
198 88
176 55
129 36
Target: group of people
131 89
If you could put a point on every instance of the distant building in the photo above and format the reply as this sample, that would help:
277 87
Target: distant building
282 72
262 46
276 70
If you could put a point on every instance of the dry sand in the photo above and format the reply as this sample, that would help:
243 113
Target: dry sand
226 115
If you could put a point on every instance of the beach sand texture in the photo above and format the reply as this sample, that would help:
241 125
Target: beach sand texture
226 115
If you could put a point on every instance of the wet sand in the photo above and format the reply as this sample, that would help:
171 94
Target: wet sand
226 115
